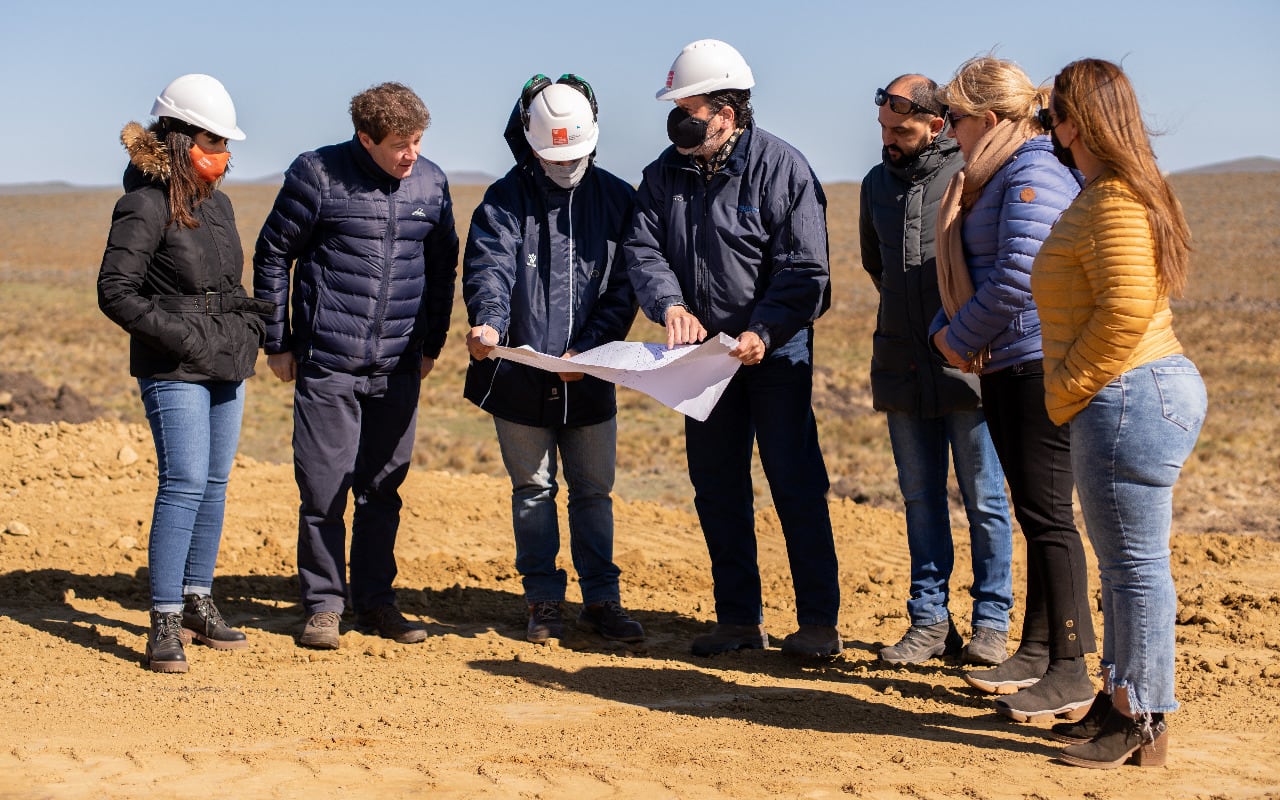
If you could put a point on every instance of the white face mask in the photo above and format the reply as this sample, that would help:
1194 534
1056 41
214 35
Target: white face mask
569 175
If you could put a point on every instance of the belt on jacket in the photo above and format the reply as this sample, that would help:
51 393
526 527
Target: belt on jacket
212 303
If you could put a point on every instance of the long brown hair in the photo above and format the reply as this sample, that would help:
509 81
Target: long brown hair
186 188
1097 96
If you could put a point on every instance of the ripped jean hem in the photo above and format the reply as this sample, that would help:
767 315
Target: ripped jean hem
1136 706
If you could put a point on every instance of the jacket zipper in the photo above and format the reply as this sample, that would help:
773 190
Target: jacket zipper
388 246
572 300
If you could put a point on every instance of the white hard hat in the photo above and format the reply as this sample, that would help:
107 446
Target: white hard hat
562 126
202 101
706 65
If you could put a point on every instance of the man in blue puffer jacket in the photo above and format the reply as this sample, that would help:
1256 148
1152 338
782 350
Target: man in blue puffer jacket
543 268
730 237
367 227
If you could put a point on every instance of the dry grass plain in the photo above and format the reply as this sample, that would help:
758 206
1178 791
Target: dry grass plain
478 712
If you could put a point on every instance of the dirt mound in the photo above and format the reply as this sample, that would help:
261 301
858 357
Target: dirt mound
476 711
25 398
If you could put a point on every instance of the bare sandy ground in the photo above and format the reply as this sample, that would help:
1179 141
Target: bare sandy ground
476 711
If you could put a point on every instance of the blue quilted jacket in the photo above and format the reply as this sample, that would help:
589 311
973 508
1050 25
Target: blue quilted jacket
1002 234
374 262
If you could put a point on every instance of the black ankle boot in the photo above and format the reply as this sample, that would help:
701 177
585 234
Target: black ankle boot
1087 728
1064 691
164 644
1120 739
1020 670
201 617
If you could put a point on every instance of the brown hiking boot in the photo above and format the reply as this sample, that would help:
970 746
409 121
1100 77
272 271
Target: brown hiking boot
321 631
728 638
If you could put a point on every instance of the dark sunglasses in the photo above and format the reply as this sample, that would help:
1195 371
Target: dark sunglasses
954 116
902 105
1045 118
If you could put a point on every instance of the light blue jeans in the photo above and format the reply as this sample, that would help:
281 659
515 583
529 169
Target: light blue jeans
589 455
196 427
920 451
1127 449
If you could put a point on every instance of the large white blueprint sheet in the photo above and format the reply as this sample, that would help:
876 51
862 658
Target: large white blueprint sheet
689 378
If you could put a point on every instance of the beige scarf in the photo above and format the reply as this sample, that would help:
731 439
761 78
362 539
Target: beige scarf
989 155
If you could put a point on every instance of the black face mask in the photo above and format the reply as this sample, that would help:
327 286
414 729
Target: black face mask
1063 154
685 131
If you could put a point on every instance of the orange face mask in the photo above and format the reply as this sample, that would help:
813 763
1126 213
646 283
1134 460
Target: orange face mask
210 166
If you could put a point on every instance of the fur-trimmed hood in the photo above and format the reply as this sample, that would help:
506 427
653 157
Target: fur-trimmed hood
146 152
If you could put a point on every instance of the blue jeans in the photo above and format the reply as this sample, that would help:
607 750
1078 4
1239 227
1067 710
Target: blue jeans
768 404
352 434
1128 447
920 452
589 455
196 427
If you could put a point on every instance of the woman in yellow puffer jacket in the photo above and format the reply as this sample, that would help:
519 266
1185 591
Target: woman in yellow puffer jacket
1114 368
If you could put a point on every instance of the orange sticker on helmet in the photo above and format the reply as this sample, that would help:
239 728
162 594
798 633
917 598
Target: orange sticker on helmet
559 136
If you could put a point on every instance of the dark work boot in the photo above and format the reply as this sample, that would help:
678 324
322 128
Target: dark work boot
1022 669
611 620
1087 728
201 618
1121 739
923 642
546 621
1064 691
164 643
729 638
813 642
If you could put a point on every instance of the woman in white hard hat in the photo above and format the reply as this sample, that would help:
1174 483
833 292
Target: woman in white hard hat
543 268
170 276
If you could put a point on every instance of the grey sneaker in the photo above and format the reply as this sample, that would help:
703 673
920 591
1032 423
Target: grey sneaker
923 642
321 630
813 641
1064 691
546 621
986 647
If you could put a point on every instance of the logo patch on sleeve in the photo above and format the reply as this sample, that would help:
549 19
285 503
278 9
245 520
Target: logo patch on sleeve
1027 195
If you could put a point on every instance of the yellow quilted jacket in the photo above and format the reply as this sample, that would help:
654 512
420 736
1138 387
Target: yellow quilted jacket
1102 312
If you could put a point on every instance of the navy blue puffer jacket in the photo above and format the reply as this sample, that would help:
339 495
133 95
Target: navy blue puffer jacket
543 267
375 261
746 250
1002 234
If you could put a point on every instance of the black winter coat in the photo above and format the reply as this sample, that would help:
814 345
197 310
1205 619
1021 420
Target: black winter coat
375 260
151 268
543 267
896 227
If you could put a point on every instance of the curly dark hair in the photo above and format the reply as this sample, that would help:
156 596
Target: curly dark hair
737 99
388 108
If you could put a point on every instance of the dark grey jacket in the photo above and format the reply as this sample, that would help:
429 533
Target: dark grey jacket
746 250
899 211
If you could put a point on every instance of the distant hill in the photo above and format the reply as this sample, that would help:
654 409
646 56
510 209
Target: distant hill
1254 164
46 187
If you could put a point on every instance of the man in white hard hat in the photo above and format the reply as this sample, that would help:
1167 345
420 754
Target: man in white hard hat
543 268
730 237
366 227
931 408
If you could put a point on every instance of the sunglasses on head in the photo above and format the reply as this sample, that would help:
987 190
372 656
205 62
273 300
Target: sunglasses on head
1045 117
902 105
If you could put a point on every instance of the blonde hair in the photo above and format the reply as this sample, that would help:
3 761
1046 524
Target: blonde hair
1097 96
986 83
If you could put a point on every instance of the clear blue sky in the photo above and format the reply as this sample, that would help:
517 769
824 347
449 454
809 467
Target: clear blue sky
74 72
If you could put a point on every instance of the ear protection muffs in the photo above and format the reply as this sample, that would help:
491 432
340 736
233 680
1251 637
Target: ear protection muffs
537 83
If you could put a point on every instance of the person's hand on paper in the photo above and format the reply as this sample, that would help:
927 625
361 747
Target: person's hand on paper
480 341
750 349
570 376
683 327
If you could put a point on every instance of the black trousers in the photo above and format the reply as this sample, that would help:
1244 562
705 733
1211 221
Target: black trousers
1036 457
